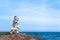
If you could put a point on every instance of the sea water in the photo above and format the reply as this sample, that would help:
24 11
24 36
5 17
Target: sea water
44 35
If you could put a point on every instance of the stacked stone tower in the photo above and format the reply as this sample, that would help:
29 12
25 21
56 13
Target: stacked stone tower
15 27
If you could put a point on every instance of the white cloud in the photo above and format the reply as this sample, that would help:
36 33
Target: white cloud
40 19
43 29
6 17
37 19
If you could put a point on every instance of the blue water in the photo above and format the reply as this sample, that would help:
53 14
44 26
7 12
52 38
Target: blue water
45 35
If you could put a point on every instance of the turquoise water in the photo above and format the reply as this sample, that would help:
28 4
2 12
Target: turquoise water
45 35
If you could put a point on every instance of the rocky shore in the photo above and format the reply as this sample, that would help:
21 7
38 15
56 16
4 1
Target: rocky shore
19 37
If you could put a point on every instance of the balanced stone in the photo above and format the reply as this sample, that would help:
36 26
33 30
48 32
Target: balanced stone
15 27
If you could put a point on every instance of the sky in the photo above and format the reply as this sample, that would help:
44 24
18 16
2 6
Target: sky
34 15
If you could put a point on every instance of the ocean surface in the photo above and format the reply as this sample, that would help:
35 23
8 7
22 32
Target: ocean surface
45 35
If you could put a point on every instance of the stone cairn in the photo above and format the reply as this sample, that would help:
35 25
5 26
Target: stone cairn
15 27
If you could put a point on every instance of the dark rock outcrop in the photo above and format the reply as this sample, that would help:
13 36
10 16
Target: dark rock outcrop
19 37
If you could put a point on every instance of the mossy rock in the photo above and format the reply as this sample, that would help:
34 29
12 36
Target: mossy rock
6 33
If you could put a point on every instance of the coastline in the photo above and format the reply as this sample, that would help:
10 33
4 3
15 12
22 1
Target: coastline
19 37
